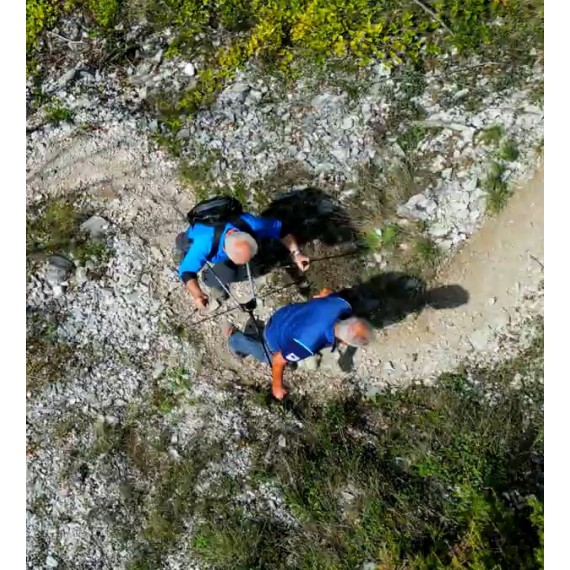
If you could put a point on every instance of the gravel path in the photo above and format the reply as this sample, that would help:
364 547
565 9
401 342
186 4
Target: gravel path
502 269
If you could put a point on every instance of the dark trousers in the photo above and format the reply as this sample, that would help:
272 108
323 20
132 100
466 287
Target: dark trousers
227 272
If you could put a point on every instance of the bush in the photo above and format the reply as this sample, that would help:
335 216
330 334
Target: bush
286 33
40 15
104 12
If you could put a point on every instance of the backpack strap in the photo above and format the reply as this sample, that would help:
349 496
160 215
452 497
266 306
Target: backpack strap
238 222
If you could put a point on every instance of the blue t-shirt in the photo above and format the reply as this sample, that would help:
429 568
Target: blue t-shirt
300 330
202 237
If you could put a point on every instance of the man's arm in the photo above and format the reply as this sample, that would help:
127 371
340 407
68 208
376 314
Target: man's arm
323 293
277 368
274 229
200 298
193 261
299 258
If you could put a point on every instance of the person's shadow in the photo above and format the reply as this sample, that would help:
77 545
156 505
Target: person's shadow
314 218
389 297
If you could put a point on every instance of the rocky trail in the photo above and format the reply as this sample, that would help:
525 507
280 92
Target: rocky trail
126 383
500 269
404 145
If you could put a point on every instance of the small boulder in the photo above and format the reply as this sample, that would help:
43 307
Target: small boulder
95 226
311 364
189 70
58 269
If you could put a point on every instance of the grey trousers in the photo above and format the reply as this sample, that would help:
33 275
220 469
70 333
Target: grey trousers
227 272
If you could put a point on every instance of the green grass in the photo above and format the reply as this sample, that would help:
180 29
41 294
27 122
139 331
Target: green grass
196 174
169 142
424 257
431 474
390 236
428 477
537 96
497 189
57 113
411 138
372 241
53 226
48 358
238 190
498 192
175 498
412 82
492 135
174 392
509 151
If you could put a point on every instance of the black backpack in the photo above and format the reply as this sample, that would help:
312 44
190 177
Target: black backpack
217 212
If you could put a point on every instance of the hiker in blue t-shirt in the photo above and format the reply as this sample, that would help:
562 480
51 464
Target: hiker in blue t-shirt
300 330
221 234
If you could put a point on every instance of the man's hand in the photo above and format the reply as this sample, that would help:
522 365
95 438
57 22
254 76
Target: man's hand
279 392
200 298
201 301
301 260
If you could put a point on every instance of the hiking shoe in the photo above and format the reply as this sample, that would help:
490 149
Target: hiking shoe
228 329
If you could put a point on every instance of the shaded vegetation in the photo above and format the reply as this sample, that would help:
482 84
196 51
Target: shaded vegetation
48 358
449 476
427 477
53 226
285 34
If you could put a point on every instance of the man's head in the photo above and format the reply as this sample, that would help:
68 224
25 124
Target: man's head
354 331
240 247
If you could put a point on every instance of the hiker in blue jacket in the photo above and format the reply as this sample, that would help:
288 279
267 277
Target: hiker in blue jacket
222 235
300 330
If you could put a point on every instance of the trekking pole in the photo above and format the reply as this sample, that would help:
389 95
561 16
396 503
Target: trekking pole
231 309
223 285
251 281
348 253
260 336
248 307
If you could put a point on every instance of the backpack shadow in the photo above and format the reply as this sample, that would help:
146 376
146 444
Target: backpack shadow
390 297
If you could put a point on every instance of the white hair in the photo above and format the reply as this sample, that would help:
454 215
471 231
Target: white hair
233 237
345 332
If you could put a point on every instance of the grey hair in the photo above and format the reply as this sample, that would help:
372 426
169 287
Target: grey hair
344 331
233 237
